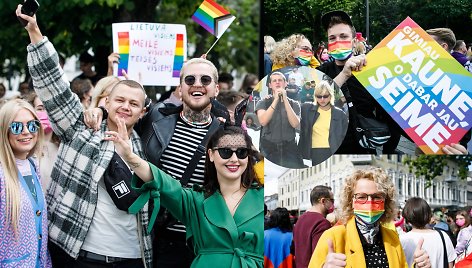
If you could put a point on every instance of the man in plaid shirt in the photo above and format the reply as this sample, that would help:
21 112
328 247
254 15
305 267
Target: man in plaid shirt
86 229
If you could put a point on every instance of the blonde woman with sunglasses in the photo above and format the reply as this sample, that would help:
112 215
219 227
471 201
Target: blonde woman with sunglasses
23 216
322 125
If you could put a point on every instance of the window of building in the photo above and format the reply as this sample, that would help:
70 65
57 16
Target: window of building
434 190
400 186
282 205
288 188
288 202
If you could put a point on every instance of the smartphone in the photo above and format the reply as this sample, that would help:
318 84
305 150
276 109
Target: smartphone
30 7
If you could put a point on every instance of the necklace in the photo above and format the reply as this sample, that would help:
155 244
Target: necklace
196 124
233 210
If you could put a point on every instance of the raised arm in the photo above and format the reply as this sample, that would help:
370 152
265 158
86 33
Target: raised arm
151 182
50 83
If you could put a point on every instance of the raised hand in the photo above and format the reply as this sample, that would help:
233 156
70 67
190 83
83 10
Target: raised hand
333 259
93 118
355 63
31 27
120 139
421 257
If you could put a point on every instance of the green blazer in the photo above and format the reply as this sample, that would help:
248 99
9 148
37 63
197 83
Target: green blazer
219 240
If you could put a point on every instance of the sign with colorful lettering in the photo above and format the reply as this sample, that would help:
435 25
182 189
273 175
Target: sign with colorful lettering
423 88
152 53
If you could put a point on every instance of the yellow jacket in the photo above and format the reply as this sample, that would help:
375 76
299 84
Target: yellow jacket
346 240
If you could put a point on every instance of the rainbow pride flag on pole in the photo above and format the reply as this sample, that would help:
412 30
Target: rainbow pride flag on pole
213 17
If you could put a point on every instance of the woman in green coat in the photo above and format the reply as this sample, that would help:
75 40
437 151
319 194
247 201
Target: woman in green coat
224 219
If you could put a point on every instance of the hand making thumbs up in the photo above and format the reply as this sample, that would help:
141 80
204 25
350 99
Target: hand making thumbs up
333 259
421 257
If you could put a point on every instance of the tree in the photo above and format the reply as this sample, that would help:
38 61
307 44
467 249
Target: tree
432 166
282 18
77 25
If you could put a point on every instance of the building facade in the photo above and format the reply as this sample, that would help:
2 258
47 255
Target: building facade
295 185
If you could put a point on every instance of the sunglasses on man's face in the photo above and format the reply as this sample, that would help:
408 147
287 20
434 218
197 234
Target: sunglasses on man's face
322 96
16 128
190 80
226 153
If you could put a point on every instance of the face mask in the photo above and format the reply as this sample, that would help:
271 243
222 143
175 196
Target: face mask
369 212
331 209
45 124
460 223
324 57
340 50
304 58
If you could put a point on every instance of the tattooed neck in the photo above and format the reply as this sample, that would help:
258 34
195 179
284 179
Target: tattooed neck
197 117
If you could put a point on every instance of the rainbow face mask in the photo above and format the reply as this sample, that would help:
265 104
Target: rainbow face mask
340 50
369 212
304 58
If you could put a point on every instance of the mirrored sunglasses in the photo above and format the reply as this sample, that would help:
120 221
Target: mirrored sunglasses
322 96
226 153
190 80
16 128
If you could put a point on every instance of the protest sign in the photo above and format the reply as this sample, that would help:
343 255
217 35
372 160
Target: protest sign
154 52
423 88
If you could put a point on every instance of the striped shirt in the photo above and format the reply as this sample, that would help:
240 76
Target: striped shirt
177 156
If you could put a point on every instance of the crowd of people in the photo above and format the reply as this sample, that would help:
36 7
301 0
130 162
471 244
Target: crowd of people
345 52
94 175
366 230
126 184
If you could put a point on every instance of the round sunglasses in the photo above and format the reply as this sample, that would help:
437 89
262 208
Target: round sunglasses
226 153
190 80
16 128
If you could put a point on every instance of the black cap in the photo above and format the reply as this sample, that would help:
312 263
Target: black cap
326 18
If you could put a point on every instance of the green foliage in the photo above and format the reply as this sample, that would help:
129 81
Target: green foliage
431 166
77 25
284 17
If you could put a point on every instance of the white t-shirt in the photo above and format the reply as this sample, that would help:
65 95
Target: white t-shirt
432 245
113 232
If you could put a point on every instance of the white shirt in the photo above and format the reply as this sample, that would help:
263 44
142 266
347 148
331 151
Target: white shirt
432 245
113 232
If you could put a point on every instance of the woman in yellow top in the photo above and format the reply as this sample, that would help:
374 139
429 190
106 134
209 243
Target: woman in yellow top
367 200
322 126
293 50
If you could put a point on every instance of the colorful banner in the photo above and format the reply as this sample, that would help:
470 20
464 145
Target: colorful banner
213 17
150 52
423 88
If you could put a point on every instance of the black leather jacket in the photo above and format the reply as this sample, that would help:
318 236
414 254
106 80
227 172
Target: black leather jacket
157 127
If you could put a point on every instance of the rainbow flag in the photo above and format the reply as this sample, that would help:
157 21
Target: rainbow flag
179 55
123 50
213 17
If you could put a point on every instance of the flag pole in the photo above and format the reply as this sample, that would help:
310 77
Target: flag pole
212 45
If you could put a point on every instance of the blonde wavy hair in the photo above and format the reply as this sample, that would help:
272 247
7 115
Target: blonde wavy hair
282 54
384 184
7 159
102 89
323 87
